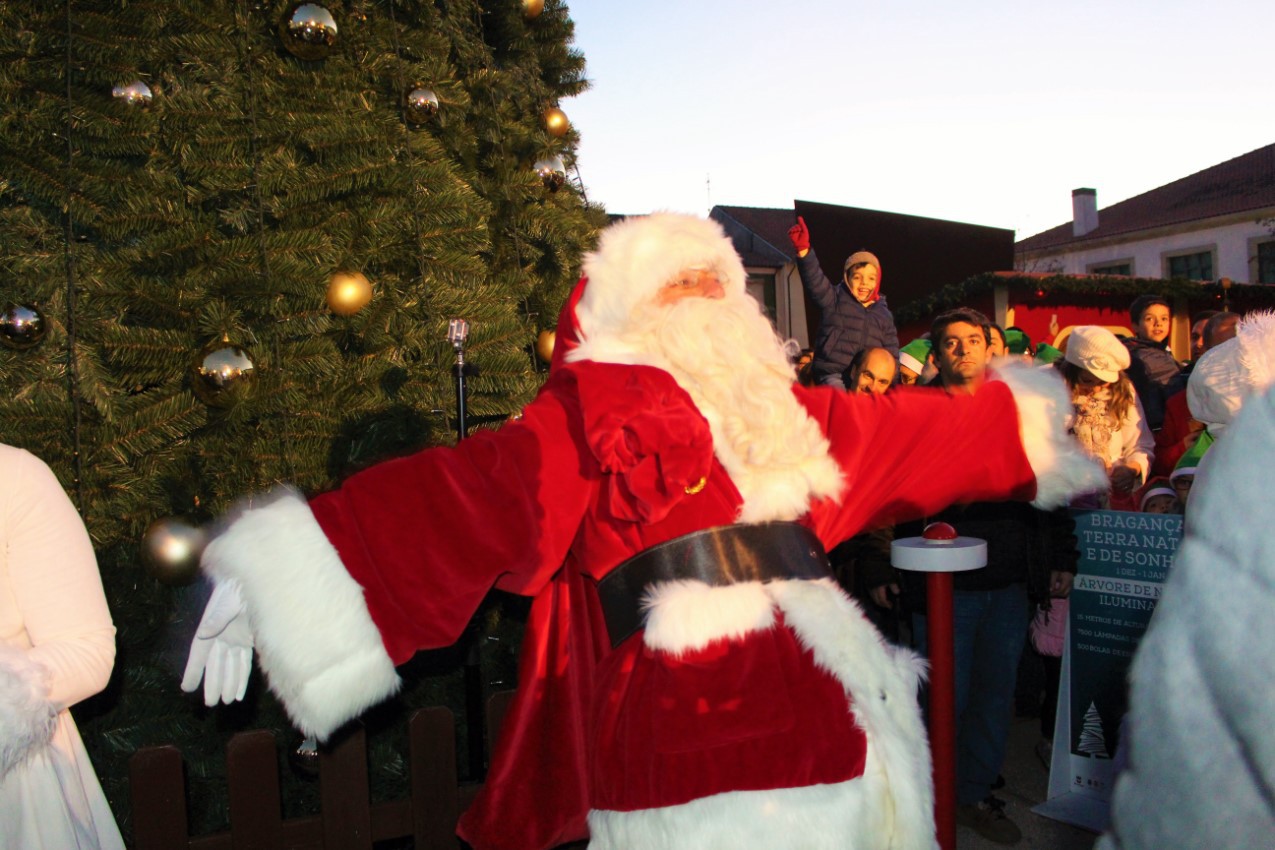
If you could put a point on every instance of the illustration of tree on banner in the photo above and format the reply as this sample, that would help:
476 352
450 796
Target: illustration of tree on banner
1092 742
179 185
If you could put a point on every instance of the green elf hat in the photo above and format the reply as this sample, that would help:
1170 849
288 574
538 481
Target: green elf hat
914 354
1017 342
1156 487
1188 463
1046 354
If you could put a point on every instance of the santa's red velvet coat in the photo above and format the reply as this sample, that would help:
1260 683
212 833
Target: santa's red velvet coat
751 715
596 470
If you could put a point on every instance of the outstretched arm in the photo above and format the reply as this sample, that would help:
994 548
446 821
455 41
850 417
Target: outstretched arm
912 452
340 589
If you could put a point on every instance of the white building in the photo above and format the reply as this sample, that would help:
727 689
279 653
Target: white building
1217 223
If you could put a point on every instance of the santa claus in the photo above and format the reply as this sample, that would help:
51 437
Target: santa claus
691 676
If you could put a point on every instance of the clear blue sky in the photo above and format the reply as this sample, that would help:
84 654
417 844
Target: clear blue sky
988 111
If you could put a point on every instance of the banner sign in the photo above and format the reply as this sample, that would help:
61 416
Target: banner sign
1124 561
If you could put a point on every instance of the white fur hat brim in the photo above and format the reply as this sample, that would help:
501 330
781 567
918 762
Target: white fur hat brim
1229 373
636 257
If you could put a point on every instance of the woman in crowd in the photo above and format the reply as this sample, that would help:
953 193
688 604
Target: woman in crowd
57 647
1108 418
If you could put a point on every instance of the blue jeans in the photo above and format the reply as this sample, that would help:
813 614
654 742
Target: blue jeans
989 629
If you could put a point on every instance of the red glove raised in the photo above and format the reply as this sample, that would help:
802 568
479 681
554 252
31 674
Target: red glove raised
799 235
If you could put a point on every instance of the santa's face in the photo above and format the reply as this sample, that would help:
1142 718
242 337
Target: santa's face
695 282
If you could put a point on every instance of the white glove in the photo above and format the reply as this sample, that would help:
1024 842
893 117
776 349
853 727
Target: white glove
221 652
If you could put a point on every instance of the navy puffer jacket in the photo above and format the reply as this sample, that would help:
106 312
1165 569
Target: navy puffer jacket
846 327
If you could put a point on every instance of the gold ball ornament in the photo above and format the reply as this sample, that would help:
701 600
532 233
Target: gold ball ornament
532 8
544 345
348 293
136 93
22 327
171 549
221 373
420 104
556 121
552 172
308 31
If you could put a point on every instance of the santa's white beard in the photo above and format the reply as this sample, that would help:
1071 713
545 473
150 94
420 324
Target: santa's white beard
725 354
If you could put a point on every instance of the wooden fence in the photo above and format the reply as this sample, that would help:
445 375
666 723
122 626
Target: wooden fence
347 819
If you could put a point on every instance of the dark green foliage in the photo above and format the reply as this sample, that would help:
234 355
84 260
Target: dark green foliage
219 212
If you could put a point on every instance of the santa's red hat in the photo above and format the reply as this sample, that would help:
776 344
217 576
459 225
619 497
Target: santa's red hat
635 258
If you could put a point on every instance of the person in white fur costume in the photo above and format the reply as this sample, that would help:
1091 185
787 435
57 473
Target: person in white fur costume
57 647
692 677
1202 745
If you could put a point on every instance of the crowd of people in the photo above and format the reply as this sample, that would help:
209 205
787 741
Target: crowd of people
1129 410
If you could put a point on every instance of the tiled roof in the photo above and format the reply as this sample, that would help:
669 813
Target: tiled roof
1237 185
769 245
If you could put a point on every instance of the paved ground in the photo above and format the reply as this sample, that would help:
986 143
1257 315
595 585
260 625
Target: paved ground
1026 781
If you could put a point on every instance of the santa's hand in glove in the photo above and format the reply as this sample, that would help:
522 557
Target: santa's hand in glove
221 653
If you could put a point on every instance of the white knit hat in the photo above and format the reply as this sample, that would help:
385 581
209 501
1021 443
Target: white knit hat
639 255
1227 374
1097 350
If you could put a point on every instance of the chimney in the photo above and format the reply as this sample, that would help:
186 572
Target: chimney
1084 211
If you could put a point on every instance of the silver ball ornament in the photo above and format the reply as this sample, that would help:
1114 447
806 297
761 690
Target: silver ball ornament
136 93
552 172
171 549
22 327
308 31
221 372
420 104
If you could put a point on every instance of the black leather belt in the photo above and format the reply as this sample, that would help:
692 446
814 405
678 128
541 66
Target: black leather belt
728 554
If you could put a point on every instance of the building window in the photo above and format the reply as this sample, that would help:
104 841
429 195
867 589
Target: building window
762 287
1123 268
1197 266
1265 261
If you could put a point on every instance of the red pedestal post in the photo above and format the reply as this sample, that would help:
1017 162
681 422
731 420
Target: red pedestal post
942 705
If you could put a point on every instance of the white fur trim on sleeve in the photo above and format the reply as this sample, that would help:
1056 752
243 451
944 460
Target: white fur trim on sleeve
27 717
320 650
1062 467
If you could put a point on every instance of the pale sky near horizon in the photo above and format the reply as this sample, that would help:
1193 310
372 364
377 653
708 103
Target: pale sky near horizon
988 112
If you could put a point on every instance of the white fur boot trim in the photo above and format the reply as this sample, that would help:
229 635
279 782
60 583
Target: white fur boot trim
688 615
882 681
27 717
1062 467
320 650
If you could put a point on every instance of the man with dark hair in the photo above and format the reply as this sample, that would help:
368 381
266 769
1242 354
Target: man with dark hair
1030 555
1218 329
960 349
1197 333
1153 371
996 344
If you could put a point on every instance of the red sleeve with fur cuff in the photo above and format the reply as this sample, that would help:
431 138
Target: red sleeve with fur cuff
427 536
911 452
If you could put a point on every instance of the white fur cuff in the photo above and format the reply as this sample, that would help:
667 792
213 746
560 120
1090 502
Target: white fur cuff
320 650
27 717
1061 466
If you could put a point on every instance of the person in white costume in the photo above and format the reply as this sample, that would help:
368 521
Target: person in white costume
57 647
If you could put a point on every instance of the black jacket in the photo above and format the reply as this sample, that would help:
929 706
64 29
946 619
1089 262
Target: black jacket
1154 374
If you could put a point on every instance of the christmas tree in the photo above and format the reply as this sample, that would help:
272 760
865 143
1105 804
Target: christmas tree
180 184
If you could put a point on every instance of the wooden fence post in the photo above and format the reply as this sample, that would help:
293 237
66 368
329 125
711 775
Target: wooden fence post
252 771
344 792
157 792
